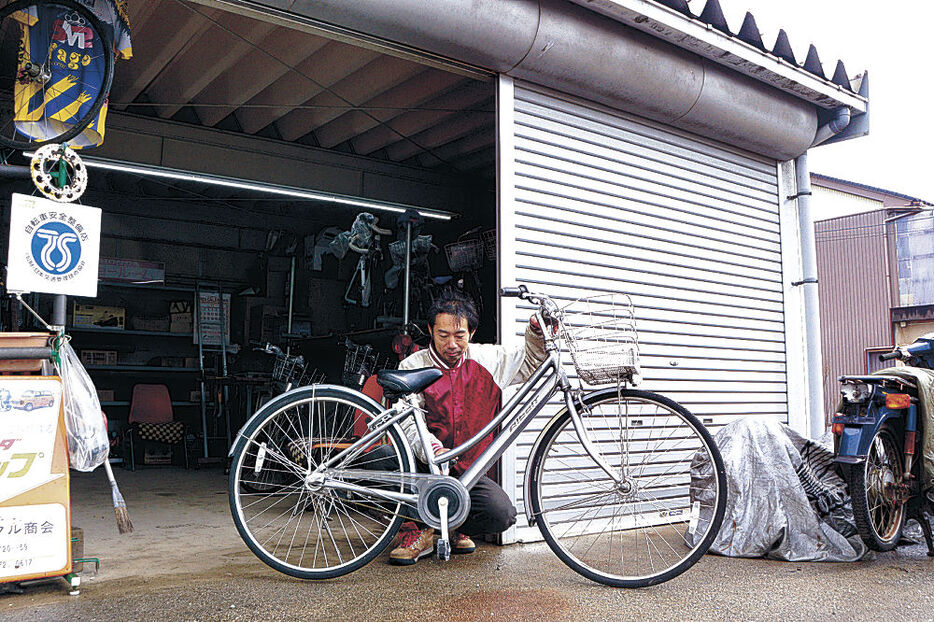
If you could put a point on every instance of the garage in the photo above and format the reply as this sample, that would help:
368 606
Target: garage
624 146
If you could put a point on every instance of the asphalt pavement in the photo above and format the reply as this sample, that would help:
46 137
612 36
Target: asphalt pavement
185 561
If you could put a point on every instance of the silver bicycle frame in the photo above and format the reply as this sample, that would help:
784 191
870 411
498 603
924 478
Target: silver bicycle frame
542 385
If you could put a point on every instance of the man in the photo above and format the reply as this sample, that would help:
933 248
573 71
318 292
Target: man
456 407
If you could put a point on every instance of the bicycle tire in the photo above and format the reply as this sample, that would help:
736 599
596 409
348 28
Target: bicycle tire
656 529
879 520
294 528
52 130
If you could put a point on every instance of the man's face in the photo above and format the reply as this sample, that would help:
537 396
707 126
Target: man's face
450 337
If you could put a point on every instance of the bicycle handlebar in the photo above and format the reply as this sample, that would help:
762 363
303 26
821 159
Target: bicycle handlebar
890 355
514 292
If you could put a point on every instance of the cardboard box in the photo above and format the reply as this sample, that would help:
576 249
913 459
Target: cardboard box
181 323
98 357
105 395
100 317
153 323
157 455
181 317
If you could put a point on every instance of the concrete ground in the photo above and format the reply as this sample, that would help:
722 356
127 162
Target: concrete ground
185 561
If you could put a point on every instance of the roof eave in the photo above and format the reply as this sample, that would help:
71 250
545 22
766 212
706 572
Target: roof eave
704 40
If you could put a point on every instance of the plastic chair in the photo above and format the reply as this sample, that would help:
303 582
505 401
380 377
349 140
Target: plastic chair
151 419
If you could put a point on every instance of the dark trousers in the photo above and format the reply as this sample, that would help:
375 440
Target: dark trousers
491 512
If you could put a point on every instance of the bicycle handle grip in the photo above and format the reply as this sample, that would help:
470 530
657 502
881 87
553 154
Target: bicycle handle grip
889 355
514 292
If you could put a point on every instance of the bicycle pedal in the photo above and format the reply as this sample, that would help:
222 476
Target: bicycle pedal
443 550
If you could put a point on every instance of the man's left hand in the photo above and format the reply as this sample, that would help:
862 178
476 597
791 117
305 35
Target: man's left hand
537 329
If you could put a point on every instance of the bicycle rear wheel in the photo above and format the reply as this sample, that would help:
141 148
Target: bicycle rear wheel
56 67
297 526
657 521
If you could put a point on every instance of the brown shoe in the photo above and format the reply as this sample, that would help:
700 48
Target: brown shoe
461 544
414 544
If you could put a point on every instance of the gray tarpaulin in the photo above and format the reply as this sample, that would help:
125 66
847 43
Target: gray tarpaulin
784 499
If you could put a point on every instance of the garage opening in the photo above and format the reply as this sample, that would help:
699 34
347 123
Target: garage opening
238 156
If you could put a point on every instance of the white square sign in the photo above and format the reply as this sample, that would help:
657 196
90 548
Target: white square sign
54 247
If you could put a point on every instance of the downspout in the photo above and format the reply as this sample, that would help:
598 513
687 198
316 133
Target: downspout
812 337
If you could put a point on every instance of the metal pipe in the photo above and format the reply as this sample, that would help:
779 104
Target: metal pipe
813 359
572 49
288 348
837 124
408 275
12 354
59 312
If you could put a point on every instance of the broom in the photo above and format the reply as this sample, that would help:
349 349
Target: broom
123 517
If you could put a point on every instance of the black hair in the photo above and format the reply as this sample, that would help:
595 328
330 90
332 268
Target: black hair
457 304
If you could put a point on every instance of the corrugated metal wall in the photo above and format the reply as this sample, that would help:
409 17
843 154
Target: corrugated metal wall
854 299
595 202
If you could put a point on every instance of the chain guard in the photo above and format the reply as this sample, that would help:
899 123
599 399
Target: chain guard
431 489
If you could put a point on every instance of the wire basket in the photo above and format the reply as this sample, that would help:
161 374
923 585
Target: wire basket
601 335
289 370
359 364
489 244
465 255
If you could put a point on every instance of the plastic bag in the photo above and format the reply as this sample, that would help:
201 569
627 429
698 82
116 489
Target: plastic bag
85 426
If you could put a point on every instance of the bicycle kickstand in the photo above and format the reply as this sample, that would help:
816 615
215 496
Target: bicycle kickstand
444 544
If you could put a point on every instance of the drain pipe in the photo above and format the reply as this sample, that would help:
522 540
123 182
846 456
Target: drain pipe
839 122
813 360
812 338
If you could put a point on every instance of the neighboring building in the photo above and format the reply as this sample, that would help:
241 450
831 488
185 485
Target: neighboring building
876 275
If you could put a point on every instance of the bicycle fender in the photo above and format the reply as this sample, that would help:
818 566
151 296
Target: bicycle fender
527 480
854 443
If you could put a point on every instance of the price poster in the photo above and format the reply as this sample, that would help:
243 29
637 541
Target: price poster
35 529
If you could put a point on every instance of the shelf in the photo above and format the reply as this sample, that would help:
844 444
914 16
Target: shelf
121 331
149 286
173 403
140 368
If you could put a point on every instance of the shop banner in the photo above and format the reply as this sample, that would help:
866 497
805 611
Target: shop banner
35 534
54 247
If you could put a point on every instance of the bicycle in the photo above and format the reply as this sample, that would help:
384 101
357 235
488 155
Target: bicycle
611 481
56 68
288 371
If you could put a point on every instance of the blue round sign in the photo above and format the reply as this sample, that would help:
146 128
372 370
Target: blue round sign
56 248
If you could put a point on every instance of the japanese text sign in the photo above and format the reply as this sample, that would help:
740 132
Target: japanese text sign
54 247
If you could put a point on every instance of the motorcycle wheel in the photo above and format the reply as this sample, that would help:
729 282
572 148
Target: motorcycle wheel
878 509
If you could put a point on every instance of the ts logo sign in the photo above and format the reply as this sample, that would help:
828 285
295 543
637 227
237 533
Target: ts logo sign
56 248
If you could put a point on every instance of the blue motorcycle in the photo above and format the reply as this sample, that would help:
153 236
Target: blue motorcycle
878 442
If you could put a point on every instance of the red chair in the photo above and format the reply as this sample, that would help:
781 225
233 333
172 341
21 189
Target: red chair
151 419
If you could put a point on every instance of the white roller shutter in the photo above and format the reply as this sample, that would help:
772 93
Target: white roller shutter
592 202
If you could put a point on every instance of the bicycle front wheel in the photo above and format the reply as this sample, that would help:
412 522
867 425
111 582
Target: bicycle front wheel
293 522
56 67
654 518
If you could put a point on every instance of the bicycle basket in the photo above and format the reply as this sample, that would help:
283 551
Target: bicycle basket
359 364
489 244
600 332
289 370
465 255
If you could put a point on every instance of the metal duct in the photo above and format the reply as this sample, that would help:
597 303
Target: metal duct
566 47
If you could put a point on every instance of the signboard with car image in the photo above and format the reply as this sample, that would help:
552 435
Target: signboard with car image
35 529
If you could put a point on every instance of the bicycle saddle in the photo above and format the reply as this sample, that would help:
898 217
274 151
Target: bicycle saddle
402 382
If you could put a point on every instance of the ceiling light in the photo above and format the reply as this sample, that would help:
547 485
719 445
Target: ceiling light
258 186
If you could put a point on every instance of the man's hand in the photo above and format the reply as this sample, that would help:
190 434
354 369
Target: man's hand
537 329
439 449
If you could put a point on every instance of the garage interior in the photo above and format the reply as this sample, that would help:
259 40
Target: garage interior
235 149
